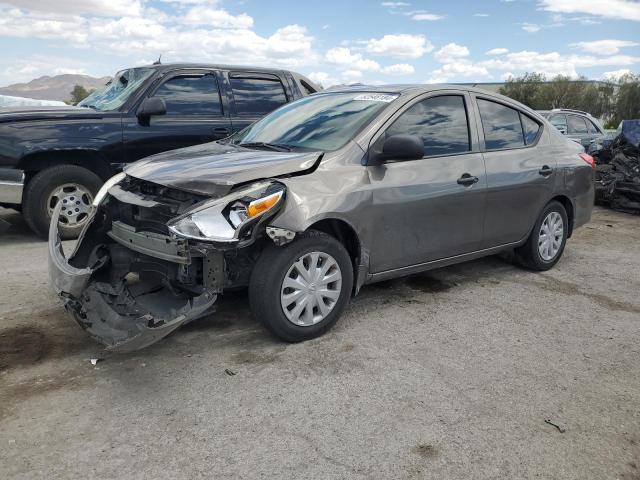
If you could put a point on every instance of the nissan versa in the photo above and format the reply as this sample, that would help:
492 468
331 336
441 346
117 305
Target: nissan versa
323 195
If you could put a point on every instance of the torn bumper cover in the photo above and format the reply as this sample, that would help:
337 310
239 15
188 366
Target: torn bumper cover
119 311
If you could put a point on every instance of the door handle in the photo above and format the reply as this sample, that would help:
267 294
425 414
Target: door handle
467 180
545 171
222 131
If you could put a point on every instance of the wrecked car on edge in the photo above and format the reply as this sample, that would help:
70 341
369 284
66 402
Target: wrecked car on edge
318 198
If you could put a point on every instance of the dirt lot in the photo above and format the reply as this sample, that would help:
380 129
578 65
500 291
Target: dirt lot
446 375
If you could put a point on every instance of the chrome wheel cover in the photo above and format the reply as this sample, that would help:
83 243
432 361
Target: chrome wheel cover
311 288
76 202
550 236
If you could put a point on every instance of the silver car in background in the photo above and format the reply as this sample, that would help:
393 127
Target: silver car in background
320 197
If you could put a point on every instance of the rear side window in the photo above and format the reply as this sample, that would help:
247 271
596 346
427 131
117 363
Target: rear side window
592 127
257 95
559 121
191 95
441 123
501 126
577 124
530 128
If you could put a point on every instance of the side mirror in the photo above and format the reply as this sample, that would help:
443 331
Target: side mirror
402 147
562 130
151 106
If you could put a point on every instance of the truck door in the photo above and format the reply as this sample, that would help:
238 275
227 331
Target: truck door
196 113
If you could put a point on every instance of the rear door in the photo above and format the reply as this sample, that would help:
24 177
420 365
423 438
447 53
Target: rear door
431 208
519 178
253 95
196 113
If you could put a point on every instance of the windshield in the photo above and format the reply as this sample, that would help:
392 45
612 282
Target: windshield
325 121
113 95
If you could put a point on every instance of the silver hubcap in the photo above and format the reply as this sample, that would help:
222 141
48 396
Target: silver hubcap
311 288
550 237
76 202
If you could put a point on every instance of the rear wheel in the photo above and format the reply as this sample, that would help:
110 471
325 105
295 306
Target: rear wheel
299 291
547 240
72 185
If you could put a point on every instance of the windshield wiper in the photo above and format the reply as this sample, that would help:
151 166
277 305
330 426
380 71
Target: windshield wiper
93 107
277 147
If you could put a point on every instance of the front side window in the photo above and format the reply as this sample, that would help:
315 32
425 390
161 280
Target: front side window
501 126
257 96
118 90
325 121
191 95
440 122
577 124
530 128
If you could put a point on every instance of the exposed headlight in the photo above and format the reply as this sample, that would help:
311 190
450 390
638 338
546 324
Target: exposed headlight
230 218
105 188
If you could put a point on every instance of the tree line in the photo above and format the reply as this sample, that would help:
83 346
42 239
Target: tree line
611 102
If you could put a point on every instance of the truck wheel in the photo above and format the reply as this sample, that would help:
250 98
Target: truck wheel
74 186
300 290
546 242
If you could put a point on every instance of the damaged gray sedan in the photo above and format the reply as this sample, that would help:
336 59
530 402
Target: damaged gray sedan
318 198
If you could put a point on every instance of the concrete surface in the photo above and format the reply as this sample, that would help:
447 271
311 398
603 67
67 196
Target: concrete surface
449 375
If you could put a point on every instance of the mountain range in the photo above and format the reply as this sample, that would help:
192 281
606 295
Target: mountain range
57 87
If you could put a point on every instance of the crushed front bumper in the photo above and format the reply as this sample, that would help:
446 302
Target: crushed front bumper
122 317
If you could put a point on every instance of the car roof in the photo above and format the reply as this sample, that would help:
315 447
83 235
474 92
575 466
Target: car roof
173 66
414 89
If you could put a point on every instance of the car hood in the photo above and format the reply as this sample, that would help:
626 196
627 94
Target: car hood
13 114
214 169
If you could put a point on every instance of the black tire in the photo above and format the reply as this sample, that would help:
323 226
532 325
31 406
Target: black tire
269 273
528 254
43 184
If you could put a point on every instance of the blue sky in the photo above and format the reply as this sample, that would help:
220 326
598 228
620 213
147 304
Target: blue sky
331 41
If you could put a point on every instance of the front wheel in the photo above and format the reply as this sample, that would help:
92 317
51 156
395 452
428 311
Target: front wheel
299 291
72 185
547 240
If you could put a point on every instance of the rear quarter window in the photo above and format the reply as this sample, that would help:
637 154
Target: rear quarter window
530 128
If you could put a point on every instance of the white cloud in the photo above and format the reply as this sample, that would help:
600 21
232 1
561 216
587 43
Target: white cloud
480 14
322 78
395 4
101 8
497 51
616 74
458 70
217 18
553 63
342 56
426 16
450 52
400 45
622 9
603 47
399 69
531 27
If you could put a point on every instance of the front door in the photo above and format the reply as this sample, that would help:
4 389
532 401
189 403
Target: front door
194 115
431 208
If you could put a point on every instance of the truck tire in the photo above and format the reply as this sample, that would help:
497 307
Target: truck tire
324 284
75 186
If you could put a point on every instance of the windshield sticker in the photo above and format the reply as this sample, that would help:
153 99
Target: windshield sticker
376 97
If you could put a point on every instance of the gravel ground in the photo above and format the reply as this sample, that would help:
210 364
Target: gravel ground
481 370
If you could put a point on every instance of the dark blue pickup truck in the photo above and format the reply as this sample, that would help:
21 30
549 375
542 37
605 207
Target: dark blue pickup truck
64 154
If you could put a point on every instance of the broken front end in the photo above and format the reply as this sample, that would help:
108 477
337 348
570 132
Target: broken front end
153 258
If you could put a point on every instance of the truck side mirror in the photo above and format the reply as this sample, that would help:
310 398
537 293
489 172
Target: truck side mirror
151 106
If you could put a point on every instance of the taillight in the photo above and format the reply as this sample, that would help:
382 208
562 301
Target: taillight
589 159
